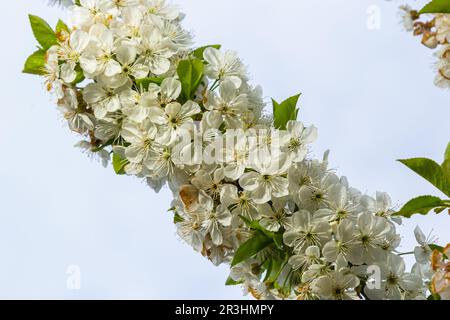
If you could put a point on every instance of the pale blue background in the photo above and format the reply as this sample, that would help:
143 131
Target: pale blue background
370 92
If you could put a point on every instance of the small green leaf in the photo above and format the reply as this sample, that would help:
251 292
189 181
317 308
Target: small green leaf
439 249
104 145
190 73
434 296
35 63
248 249
177 218
285 111
43 33
254 225
277 266
231 282
431 171
61 26
119 164
80 75
198 53
145 82
269 266
421 205
436 6
436 247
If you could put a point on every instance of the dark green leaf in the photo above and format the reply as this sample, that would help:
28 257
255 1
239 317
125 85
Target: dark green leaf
190 73
103 146
421 205
434 296
43 33
436 6
278 239
198 53
35 63
436 247
119 164
285 111
440 210
248 249
177 218
431 171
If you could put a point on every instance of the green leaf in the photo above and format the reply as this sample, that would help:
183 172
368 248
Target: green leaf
431 171
421 205
436 6
35 63
61 26
439 249
436 247
80 75
277 265
447 153
177 218
190 73
43 33
285 111
248 249
104 145
119 164
269 266
434 296
145 82
254 225
198 53
278 239
231 282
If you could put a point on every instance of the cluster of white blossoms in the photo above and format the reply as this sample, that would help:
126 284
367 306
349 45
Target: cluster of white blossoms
435 33
245 193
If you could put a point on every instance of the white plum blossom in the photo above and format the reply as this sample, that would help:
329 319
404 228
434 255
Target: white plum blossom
298 138
90 12
173 117
422 252
226 106
305 231
396 283
224 66
70 52
267 180
274 217
237 181
101 99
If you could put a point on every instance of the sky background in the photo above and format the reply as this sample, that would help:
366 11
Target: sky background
370 93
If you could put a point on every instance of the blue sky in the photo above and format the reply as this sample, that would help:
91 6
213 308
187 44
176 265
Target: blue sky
370 93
